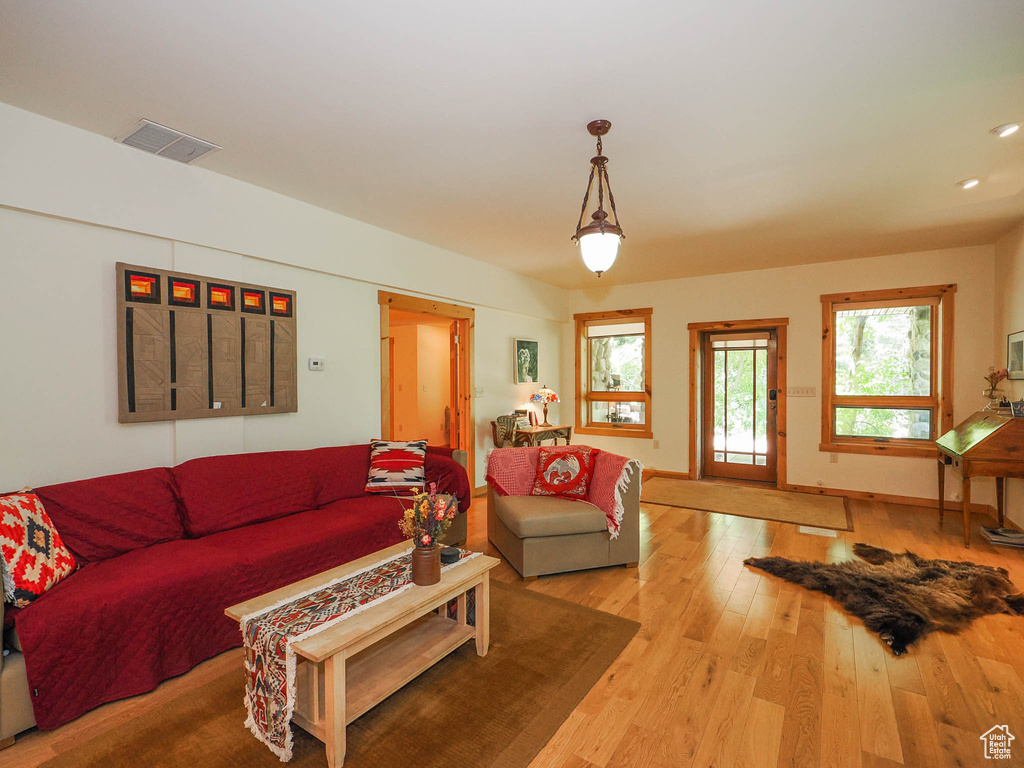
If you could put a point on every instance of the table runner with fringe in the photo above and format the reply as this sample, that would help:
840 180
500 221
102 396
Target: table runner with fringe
268 635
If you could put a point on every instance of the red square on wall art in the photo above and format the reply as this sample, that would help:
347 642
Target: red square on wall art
183 293
142 287
280 304
254 302
220 296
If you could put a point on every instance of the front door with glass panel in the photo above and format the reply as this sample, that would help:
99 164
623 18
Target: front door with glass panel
740 405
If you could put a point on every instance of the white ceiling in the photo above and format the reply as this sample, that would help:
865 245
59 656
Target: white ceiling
746 134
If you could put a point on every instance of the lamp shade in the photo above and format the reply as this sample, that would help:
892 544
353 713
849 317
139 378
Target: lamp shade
544 395
599 250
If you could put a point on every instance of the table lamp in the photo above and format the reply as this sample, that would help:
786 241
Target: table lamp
544 395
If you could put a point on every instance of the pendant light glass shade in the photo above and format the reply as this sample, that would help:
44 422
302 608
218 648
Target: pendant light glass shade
599 239
599 250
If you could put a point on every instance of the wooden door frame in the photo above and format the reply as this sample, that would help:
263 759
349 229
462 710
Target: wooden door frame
697 332
466 319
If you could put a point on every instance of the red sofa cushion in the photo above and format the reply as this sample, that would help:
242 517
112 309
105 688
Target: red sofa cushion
340 472
219 493
304 544
107 516
450 477
118 628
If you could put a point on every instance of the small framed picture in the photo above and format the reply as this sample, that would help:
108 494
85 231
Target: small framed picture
1017 409
1015 355
525 360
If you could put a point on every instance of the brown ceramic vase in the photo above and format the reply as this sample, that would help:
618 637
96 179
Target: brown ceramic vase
426 565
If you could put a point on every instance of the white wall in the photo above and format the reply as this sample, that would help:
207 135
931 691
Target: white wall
1009 318
795 292
496 331
73 203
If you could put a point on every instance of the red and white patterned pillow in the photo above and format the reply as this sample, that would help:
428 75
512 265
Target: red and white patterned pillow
32 556
564 473
397 467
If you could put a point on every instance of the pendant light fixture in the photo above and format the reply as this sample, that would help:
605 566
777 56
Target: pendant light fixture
599 239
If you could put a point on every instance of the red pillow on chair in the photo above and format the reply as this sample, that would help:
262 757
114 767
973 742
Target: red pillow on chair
565 472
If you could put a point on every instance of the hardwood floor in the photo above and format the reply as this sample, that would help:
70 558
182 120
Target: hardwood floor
732 667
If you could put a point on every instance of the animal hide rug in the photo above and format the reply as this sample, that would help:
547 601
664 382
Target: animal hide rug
904 597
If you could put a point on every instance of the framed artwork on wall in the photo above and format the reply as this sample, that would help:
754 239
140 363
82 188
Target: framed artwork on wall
191 347
1015 355
524 360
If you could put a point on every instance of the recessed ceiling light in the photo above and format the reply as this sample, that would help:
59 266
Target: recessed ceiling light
1008 129
967 183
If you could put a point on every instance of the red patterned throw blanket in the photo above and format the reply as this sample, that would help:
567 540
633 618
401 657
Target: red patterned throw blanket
268 636
512 470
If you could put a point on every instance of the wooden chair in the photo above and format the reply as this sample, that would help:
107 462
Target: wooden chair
503 430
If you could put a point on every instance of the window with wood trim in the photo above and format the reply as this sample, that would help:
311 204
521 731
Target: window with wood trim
613 373
887 370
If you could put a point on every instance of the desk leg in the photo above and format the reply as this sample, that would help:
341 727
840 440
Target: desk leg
942 489
483 615
966 485
335 709
1000 499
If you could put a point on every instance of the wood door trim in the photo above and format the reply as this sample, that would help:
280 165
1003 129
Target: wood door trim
740 325
748 472
697 330
466 318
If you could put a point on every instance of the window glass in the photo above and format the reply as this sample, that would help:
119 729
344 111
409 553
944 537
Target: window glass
884 351
617 363
893 423
617 412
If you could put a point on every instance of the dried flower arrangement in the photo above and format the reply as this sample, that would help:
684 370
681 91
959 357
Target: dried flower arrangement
429 516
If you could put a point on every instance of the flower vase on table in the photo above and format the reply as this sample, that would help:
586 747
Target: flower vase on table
993 393
425 522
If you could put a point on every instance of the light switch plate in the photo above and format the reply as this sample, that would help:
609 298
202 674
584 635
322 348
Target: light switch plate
801 391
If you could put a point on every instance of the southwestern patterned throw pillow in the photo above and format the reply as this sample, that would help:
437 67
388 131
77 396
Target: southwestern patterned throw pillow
397 467
32 556
564 473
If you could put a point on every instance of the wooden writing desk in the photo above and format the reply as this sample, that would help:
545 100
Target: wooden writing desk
984 445
533 435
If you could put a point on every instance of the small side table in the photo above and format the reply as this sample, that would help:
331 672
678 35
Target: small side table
533 435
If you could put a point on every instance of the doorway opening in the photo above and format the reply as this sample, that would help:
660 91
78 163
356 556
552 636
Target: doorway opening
426 385
738 401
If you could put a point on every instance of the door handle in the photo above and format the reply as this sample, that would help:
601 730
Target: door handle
772 394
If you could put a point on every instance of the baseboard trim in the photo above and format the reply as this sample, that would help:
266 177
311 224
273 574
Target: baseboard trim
480 490
649 473
910 501
889 498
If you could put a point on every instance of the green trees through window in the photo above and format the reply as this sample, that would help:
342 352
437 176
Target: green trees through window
887 369
883 352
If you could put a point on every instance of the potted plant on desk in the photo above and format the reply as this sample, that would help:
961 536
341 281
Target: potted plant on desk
425 522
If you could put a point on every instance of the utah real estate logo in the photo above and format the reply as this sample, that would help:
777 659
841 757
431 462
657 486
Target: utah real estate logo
997 742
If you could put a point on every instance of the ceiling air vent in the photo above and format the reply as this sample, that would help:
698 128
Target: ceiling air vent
160 140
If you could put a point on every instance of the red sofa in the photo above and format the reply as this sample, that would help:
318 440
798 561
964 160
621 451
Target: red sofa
162 552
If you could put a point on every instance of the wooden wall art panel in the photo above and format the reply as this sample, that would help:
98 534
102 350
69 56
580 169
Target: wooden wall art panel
193 347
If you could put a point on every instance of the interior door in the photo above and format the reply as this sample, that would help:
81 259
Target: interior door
740 405
454 415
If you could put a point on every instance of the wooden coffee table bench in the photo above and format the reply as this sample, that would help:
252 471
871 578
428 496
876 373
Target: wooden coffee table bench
349 668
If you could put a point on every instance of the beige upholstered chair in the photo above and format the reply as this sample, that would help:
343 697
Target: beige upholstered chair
539 535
